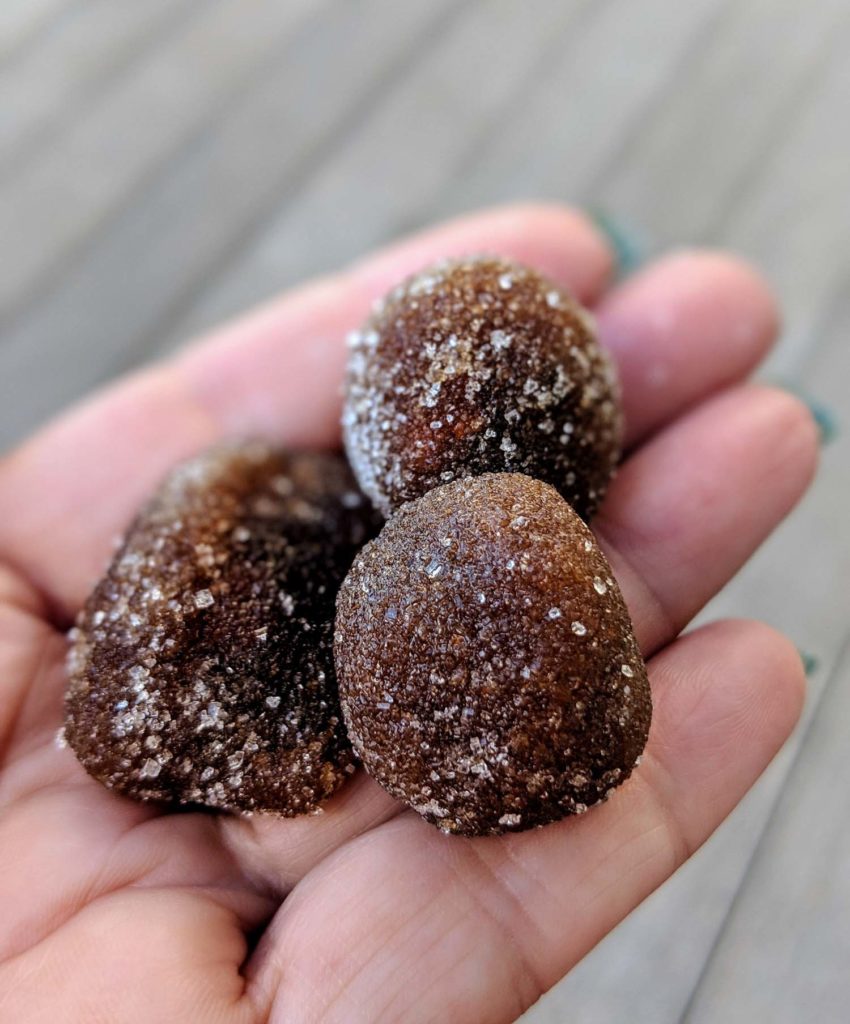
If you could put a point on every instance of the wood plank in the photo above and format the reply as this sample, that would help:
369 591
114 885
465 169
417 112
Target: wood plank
784 954
21 22
610 78
48 86
49 207
689 167
447 160
275 151
190 216
763 930
797 221
405 156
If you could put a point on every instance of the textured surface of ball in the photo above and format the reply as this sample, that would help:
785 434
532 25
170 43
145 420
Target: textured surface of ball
201 668
478 366
488 671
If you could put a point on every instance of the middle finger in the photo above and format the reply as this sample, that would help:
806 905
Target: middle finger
687 326
690 506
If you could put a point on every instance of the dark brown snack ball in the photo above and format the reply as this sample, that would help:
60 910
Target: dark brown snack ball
201 668
476 366
488 671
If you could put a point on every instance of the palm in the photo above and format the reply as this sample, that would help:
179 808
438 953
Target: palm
115 911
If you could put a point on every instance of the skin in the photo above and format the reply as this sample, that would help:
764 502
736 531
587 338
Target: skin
115 912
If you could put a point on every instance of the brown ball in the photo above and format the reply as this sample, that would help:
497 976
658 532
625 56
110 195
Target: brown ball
475 366
488 671
201 668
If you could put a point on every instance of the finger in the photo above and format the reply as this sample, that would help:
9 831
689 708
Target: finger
66 493
690 507
408 923
170 953
28 646
276 853
682 329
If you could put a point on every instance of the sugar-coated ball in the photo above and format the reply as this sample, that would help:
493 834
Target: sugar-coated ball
488 671
474 366
201 667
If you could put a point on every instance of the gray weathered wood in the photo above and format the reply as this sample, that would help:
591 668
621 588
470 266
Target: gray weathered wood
453 147
21 22
48 87
188 219
594 101
784 954
433 119
695 160
796 218
50 206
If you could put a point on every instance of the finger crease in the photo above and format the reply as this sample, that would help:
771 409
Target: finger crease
657 783
664 625
518 909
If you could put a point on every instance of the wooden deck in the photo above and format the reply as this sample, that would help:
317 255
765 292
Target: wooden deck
166 163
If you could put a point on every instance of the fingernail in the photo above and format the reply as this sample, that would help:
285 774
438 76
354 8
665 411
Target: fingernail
810 662
628 245
824 417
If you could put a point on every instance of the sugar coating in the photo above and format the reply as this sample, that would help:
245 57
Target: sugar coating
201 667
485 677
480 365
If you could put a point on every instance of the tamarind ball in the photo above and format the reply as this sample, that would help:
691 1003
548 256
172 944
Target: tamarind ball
480 365
201 667
489 675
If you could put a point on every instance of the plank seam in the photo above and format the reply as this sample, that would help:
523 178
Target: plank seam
740 192
53 272
32 37
419 46
710 28
831 682
39 137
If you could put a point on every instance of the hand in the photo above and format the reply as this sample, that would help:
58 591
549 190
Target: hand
113 911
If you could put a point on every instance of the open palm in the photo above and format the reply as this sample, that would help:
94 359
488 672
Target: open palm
114 911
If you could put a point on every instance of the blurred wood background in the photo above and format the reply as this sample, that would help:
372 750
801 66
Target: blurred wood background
166 163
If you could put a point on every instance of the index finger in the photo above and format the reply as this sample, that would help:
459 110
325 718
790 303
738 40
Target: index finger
66 493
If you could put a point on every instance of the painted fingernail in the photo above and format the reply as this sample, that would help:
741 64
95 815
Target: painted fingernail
629 247
824 417
810 662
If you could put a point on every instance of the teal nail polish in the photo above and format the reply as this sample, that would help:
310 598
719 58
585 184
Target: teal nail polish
825 418
629 248
810 662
